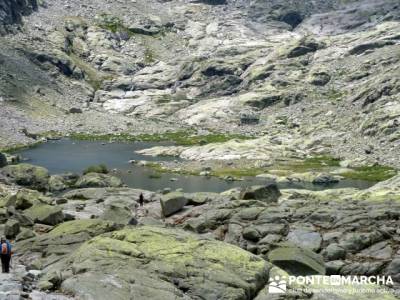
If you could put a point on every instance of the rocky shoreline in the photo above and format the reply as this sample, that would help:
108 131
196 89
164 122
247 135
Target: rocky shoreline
71 231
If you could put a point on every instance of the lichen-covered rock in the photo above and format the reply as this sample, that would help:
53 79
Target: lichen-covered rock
98 180
45 214
160 263
92 227
297 261
44 249
25 198
27 175
172 203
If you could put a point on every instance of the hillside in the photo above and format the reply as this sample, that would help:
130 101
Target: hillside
234 143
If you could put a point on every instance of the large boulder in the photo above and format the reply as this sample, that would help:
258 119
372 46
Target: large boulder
45 214
27 175
3 160
268 193
297 261
172 203
118 214
60 241
305 238
160 263
98 180
11 228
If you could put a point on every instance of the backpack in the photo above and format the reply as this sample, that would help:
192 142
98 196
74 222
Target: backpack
4 248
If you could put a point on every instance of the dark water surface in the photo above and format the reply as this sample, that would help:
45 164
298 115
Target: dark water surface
73 156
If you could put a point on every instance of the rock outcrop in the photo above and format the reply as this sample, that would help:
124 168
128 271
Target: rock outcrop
157 263
11 12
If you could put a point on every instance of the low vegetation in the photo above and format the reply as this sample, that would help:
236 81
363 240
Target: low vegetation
371 173
317 163
184 138
96 169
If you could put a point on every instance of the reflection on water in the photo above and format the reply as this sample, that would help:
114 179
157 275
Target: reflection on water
73 156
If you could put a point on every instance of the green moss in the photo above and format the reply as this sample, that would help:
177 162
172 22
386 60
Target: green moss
371 173
96 169
168 247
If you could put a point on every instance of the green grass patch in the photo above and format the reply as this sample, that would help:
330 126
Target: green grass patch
184 138
19 147
371 173
325 160
111 23
316 163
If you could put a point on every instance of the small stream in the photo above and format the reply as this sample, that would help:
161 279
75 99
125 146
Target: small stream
67 155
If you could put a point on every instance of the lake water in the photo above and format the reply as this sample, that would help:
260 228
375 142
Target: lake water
67 155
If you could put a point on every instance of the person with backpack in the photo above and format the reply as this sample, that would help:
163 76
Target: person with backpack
5 255
141 199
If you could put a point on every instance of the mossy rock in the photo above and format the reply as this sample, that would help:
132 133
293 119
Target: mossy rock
159 263
26 198
102 169
45 214
98 180
27 175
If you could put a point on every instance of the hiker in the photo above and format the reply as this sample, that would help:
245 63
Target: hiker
141 200
5 255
